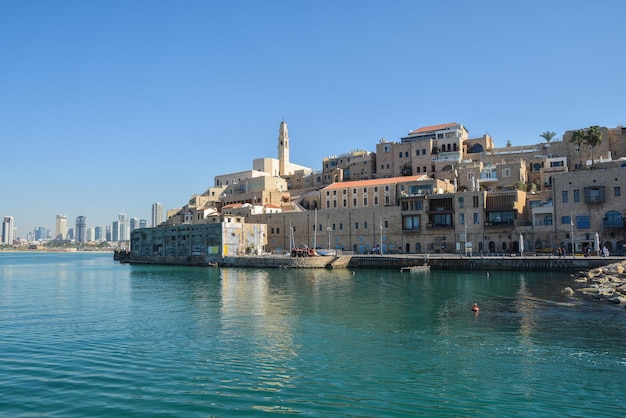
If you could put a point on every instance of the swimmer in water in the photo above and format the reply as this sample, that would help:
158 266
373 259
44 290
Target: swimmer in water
475 307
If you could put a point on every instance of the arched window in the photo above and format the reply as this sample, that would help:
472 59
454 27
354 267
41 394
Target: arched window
547 220
476 149
612 219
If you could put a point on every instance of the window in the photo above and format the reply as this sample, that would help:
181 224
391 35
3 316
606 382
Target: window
461 219
354 202
406 154
506 172
423 151
461 202
617 191
564 196
475 201
576 195
400 154
417 169
375 188
278 230
565 220
594 194
345 203
365 201
582 221
364 225
547 220
411 223
375 200
356 225
476 218
340 226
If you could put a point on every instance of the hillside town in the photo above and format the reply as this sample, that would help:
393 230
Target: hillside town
436 190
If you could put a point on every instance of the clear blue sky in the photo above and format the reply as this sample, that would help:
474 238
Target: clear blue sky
109 106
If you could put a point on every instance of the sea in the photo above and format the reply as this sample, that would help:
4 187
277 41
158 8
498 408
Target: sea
84 336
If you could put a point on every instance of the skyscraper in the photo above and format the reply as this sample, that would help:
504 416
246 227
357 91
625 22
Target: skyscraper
7 230
157 214
61 227
122 227
98 233
134 224
81 229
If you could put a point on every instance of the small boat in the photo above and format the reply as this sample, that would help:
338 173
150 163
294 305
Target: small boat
416 269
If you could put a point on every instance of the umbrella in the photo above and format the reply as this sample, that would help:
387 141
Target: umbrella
521 244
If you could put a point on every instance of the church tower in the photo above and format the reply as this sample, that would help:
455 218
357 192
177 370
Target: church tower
283 149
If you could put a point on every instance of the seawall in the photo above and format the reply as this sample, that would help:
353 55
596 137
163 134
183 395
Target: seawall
394 262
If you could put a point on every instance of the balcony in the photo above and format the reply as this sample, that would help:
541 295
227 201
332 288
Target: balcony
487 177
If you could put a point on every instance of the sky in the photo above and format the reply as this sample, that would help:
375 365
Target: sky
107 106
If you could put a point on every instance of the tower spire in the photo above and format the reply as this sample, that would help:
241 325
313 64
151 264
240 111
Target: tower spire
283 148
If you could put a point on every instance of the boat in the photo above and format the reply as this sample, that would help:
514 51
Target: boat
415 269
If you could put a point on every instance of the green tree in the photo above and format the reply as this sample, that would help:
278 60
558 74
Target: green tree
591 136
548 135
578 138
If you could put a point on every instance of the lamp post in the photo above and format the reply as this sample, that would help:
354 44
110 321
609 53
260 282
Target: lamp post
328 229
465 245
381 235
571 223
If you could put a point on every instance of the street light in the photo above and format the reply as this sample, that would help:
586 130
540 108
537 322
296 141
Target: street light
571 222
328 229
381 235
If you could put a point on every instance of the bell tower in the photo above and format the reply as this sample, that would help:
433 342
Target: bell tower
283 149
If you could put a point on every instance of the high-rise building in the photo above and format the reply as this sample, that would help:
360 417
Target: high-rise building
134 224
157 214
109 233
41 233
122 227
61 227
143 223
7 230
81 229
98 233
115 231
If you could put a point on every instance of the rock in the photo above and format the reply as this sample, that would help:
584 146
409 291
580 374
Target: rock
568 291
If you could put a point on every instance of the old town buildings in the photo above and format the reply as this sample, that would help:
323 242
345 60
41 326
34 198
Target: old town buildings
436 190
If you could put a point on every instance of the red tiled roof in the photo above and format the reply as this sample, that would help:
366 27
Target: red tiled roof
375 182
232 205
433 128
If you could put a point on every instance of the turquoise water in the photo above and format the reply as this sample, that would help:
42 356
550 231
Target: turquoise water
84 336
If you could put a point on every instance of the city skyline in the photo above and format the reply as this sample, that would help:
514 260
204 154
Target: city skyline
126 113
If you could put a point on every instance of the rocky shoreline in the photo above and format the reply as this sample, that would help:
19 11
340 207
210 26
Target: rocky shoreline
607 283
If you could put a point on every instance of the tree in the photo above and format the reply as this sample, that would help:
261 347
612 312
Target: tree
548 135
591 136
578 138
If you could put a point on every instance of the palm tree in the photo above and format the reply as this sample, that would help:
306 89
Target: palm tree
578 138
593 137
548 135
